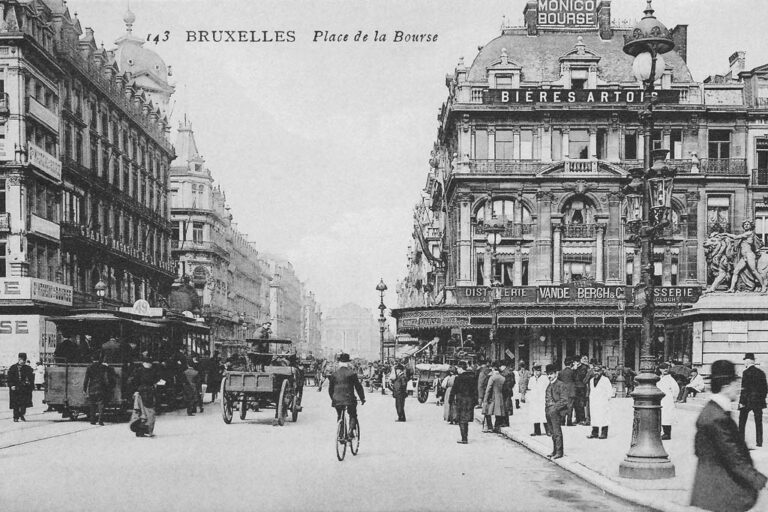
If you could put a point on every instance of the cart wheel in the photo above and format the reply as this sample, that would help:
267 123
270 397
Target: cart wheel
226 403
423 395
281 412
295 408
243 407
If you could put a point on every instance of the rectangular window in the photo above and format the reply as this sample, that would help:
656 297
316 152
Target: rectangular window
578 83
175 231
197 232
526 145
578 144
481 144
630 269
719 144
719 213
675 261
761 223
676 144
479 268
658 267
504 145
557 145
602 144
630 146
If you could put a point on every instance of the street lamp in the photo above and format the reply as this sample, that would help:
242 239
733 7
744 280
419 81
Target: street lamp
620 384
649 196
101 292
494 227
381 288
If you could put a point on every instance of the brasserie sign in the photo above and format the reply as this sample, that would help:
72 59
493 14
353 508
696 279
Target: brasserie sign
555 294
602 96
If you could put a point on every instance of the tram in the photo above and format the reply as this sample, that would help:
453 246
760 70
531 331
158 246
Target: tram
159 337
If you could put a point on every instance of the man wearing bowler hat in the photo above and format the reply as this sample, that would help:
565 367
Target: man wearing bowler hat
556 406
753 391
21 382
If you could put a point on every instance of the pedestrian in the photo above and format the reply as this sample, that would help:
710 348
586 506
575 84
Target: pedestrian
669 386
600 393
98 386
580 404
449 411
566 377
67 351
214 375
192 388
522 384
399 390
20 382
493 401
695 386
556 405
508 390
112 352
464 397
726 479
483 373
753 391
39 375
537 389
515 388
143 382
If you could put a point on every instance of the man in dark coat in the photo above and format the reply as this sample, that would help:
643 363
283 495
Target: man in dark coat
464 397
556 404
67 352
21 382
342 385
566 376
399 391
193 388
483 374
143 381
753 391
507 391
98 384
726 479
580 390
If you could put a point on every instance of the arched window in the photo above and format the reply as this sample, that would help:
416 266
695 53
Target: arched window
510 209
579 210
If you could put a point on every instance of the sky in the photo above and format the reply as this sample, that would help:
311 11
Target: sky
323 147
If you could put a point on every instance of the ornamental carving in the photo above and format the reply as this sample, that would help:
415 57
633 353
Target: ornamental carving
579 186
545 195
737 261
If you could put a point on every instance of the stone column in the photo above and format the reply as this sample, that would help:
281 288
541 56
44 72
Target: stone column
566 142
465 241
667 140
542 263
615 260
557 257
488 265
545 135
636 266
516 144
640 145
666 268
464 137
692 256
518 273
491 143
599 254
16 251
593 143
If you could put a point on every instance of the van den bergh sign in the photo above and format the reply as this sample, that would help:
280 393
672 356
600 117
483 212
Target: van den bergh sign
607 96
567 13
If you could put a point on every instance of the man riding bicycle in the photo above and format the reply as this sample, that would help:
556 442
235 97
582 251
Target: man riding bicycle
342 385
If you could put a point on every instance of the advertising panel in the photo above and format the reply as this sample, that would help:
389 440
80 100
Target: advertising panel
33 334
566 13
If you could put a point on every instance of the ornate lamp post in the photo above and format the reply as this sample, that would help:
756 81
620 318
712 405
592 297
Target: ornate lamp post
101 292
381 288
649 197
620 384
494 227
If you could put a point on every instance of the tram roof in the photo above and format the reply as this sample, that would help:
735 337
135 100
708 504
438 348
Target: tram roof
102 317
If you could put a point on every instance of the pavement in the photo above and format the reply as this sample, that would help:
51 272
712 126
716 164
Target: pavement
200 463
597 460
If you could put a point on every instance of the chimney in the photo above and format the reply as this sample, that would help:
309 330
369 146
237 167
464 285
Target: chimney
680 37
530 12
604 20
737 63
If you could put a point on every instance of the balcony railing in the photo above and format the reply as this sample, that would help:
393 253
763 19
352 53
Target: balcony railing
511 229
579 230
506 166
759 176
581 166
190 245
727 166
72 230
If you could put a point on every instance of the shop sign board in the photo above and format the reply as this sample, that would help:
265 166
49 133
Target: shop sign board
28 288
33 334
566 13
676 294
565 96
44 161
555 294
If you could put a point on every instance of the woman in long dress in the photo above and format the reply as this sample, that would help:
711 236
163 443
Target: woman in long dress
449 412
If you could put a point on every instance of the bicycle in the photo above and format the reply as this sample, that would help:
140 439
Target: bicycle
347 437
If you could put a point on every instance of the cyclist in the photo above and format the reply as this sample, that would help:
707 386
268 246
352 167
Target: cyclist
342 385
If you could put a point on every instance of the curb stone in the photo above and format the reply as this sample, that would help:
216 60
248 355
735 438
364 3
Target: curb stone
643 498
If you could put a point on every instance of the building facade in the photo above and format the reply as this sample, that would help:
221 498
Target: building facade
351 329
219 261
83 171
311 324
525 186
285 298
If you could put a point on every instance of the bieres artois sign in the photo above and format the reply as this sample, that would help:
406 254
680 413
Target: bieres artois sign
528 96
567 13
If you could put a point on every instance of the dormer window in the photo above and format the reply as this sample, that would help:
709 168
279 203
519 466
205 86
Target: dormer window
578 83
504 82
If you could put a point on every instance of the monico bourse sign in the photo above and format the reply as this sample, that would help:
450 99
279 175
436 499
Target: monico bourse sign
567 13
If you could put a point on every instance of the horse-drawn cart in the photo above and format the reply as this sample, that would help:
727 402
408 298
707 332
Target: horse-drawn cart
427 373
267 383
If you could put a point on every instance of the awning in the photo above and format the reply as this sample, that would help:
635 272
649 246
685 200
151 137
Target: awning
99 317
406 351
431 343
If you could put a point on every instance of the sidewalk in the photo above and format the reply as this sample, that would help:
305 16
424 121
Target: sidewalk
597 460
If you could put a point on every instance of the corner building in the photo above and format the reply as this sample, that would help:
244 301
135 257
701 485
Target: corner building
536 139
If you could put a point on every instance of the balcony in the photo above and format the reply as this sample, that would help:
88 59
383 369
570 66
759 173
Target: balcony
511 229
724 166
579 230
585 166
128 251
506 166
190 245
760 177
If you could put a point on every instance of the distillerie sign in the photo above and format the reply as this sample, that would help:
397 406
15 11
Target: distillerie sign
602 96
567 13
566 293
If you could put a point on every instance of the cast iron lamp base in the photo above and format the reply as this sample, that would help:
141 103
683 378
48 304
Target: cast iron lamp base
647 459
